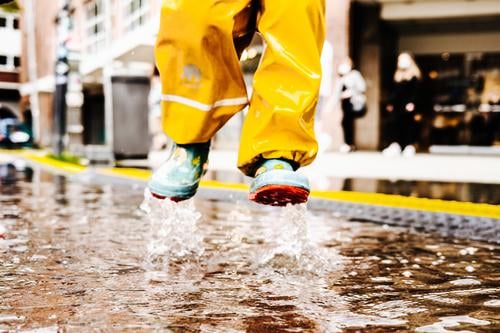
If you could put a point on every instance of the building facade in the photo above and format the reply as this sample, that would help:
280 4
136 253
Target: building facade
111 54
39 40
10 61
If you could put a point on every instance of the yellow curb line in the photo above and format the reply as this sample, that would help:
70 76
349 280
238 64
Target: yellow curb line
144 175
413 203
377 199
42 158
65 166
129 173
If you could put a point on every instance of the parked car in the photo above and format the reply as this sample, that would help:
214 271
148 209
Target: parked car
13 132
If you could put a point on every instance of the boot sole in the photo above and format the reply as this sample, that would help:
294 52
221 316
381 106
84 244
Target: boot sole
279 195
173 193
174 199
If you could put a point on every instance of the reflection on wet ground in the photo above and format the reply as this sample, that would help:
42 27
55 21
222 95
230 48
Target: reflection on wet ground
479 193
78 257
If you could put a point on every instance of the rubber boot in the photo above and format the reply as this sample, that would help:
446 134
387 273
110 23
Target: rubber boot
277 184
179 177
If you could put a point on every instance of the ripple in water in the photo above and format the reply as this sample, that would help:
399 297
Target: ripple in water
174 232
452 322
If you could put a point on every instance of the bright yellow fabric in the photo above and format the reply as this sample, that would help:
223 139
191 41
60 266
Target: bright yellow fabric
197 55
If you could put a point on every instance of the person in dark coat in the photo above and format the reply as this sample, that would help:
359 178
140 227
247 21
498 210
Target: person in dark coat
402 104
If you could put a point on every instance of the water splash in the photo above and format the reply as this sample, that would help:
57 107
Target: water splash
293 248
292 233
174 232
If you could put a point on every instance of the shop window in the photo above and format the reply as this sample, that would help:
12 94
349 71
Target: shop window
3 60
460 98
3 22
94 26
136 13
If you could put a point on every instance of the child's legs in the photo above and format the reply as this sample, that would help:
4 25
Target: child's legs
399 126
410 130
280 122
202 84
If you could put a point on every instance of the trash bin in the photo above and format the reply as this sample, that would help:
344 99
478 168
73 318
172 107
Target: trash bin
130 116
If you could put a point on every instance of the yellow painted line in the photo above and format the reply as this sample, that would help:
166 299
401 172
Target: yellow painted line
141 174
423 204
377 199
41 157
388 200
53 163
11 151
128 173
220 185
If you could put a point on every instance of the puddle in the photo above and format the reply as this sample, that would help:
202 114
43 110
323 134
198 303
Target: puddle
77 256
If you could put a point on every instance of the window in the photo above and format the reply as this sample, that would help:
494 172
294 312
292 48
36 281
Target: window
17 62
136 13
16 24
94 26
3 22
3 60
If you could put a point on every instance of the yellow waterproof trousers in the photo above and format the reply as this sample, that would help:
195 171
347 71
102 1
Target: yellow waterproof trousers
197 54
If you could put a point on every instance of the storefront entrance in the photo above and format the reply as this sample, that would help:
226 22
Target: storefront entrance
459 57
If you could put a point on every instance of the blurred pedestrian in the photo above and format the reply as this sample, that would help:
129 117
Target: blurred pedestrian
197 53
352 97
403 105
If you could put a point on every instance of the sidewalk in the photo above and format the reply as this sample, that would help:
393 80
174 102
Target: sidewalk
373 165
371 203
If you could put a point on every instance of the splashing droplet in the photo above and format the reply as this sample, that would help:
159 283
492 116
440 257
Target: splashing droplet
174 231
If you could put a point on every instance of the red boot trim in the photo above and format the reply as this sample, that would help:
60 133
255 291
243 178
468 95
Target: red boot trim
279 195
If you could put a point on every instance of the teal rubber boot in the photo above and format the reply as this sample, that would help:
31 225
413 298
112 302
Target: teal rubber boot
179 177
277 184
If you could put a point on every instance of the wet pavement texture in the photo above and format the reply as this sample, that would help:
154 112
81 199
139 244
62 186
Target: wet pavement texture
76 256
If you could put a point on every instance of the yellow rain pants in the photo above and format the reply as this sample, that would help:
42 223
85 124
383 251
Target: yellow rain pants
197 54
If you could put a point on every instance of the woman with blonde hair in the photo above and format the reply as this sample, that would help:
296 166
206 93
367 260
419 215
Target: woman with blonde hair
402 105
